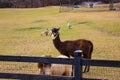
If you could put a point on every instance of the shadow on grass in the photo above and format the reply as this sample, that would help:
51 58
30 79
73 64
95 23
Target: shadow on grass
38 21
83 22
30 28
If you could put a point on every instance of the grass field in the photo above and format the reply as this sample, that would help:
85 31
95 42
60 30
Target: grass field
20 31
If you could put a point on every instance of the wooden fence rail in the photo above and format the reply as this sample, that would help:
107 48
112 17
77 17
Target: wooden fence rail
103 63
77 62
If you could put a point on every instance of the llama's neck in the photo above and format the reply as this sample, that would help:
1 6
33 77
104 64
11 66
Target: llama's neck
57 42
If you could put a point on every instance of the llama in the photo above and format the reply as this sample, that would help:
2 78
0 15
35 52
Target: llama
67 48
53 69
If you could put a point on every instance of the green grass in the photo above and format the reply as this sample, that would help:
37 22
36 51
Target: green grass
20 31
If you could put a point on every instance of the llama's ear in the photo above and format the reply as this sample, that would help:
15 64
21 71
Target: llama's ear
59 28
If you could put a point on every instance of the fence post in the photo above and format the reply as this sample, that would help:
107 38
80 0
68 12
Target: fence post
78 65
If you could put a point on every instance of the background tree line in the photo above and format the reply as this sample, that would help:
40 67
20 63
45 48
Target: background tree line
27 3
39 3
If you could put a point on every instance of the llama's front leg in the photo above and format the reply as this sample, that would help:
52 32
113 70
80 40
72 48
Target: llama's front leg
88 68
72 70
85 69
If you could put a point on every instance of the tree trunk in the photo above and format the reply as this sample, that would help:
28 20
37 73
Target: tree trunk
111 5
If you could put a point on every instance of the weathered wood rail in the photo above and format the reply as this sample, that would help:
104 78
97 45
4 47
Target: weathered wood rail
71 61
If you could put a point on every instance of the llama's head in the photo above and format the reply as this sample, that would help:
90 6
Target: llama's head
55 32
45 68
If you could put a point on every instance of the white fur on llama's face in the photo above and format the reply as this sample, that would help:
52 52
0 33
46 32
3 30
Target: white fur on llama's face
48 70
54 36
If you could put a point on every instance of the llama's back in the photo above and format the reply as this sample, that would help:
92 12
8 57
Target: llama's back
57 69
61 69
62 56
87 47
